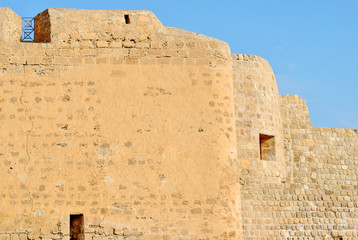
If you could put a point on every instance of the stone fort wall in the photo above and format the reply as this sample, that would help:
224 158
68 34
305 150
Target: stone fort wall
130 126
153 132
309 192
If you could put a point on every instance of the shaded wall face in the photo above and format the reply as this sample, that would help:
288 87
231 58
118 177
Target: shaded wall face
258 117
310 191
317 197
139 139
259 135
324 179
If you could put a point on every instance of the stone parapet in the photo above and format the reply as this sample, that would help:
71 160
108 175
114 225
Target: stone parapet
61 25
10 26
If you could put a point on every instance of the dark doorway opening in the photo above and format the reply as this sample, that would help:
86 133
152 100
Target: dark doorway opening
76 227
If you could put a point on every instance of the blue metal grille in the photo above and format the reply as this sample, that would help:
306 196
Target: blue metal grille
28 29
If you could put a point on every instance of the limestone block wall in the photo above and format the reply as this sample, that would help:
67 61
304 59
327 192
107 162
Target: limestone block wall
323 181
104 26
312 192
153 132
257 110
10 26
257 104
137 133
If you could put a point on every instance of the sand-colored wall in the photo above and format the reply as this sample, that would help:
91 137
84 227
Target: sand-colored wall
54 25
323 180
10 26
136 134
312 193
153 132
257 105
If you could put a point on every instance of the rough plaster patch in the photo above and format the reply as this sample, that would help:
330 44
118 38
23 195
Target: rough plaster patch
22 176
59 183
164 181
38 213
102 153
108 180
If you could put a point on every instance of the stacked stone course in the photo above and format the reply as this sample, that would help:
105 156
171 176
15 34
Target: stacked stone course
153 132
86 128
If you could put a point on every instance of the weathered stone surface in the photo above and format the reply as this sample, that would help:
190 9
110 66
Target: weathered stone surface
313 178
10 26
153 132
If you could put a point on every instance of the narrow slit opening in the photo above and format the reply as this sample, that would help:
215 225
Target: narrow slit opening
126 18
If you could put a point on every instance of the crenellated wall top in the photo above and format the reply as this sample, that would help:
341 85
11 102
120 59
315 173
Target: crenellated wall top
61 24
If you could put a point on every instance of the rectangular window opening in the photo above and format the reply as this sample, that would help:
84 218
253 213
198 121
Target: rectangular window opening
126 17
267 147
76 227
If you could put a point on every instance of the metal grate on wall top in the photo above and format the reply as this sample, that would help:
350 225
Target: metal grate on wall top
28 29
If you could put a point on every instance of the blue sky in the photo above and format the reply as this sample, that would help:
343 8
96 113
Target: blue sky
312 45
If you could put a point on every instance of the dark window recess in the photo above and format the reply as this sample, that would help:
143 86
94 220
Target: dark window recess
126 18
76 227
267 147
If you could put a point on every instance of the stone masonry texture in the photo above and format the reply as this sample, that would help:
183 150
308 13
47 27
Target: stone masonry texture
153 132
